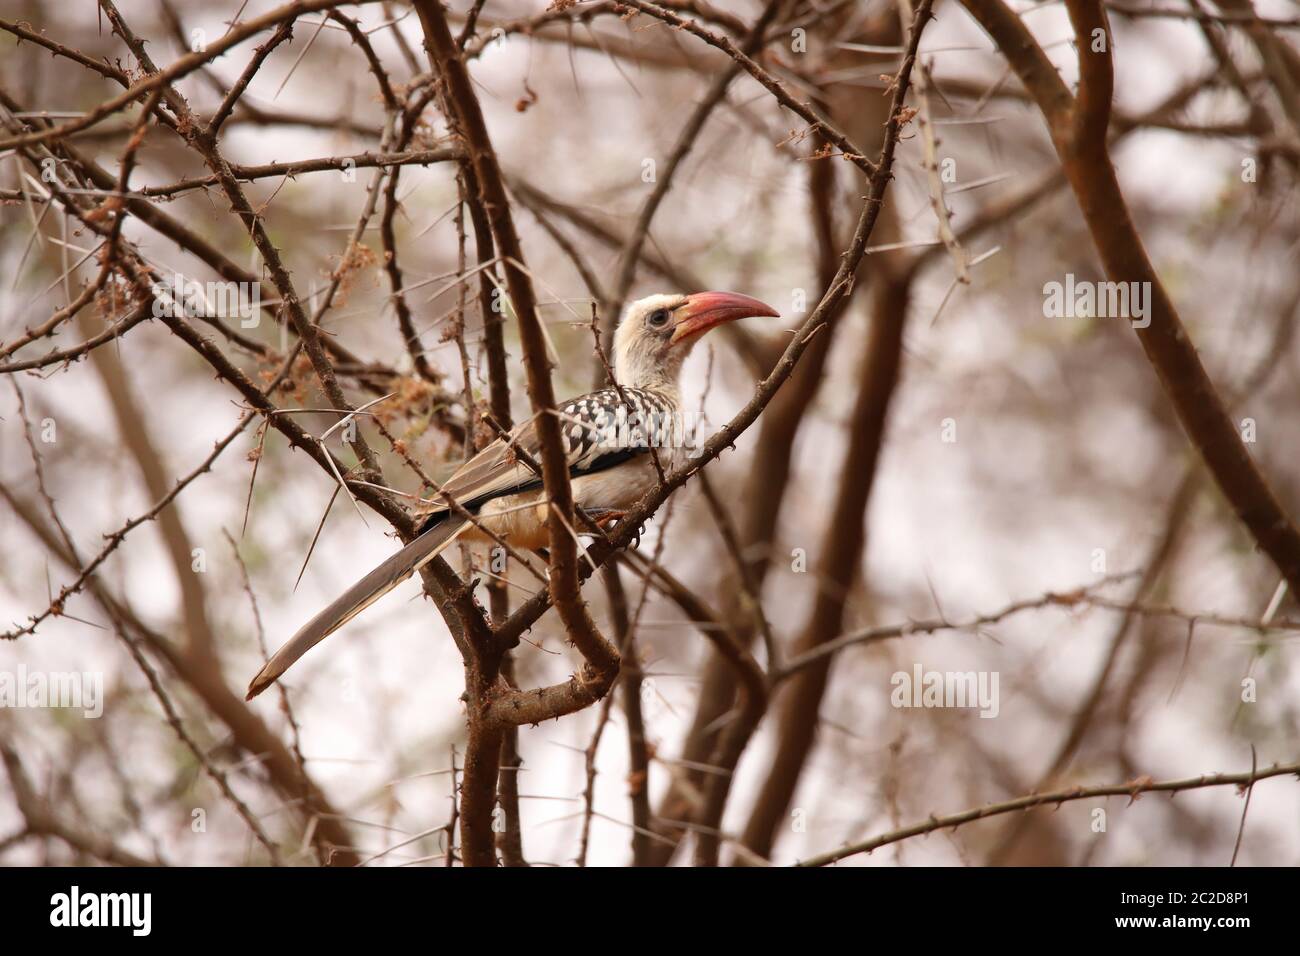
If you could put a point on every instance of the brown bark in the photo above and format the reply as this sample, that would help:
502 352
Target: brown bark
841 560
1078 128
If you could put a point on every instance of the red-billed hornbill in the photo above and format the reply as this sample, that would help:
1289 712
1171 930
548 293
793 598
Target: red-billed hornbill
608 438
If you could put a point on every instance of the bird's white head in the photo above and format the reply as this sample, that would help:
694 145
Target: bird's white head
658 332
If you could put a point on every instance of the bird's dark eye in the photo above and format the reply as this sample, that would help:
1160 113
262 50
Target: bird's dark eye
658 318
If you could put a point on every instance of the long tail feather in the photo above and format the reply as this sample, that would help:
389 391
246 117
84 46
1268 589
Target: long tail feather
357 598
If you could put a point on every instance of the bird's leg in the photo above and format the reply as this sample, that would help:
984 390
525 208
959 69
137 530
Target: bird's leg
605 518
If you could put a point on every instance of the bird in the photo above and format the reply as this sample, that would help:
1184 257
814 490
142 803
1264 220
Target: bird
615 439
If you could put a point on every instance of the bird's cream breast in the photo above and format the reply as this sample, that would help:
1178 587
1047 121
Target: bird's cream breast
520 519
619 487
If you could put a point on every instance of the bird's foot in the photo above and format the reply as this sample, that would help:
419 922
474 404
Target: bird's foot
606 518
635 541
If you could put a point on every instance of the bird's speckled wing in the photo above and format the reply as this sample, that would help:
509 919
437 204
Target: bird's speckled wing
594 431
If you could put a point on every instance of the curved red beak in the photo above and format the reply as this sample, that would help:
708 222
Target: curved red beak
703 310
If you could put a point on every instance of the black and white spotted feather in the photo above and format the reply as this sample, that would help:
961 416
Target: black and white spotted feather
599 430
